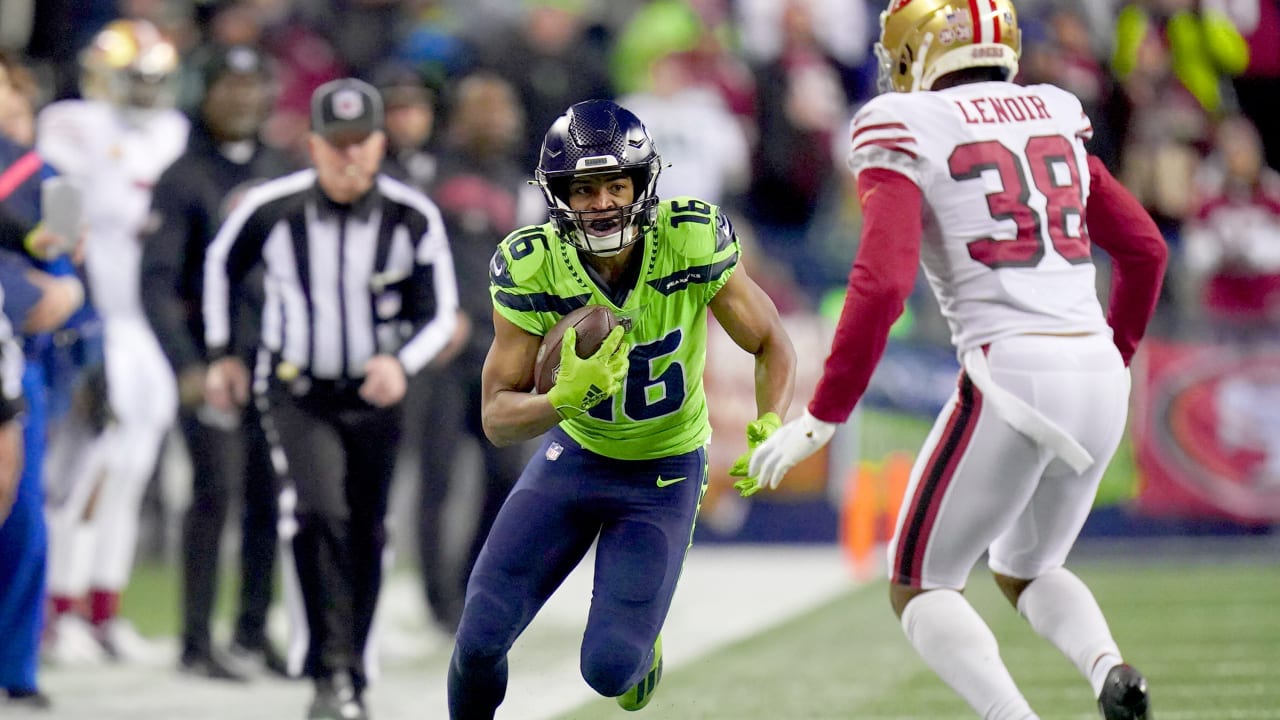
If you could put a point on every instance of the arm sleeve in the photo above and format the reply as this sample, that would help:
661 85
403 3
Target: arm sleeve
1119 225
164 254
435 275
883 275
234 249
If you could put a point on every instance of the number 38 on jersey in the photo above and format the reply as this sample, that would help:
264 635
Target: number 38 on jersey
1054 177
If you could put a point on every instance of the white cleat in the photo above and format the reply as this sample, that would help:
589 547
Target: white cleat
122 643
73 643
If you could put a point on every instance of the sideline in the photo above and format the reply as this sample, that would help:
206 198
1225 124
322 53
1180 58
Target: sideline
727 593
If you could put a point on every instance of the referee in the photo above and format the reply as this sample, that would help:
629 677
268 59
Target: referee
360 292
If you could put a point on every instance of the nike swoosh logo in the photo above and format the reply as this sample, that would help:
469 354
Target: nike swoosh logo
672 481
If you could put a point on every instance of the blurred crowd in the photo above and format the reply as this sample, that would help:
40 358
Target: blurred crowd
1172 86
747 100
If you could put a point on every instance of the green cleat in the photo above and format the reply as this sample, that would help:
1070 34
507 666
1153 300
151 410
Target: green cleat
640 695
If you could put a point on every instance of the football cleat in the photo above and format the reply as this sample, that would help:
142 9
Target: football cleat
640 695
72 642
124 644
336 699
1124 695
28 700
213 665
259 658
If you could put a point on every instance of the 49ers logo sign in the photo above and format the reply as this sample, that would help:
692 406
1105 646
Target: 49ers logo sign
1208 431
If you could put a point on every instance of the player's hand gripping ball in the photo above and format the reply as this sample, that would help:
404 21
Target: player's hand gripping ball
582 360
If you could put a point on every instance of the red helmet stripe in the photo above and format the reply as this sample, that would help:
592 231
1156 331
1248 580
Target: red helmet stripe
995 21
975 17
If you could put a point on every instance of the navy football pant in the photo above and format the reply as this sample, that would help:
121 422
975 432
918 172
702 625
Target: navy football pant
566 498
23 551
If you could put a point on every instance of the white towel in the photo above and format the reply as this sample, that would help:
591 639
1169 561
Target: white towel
1022 417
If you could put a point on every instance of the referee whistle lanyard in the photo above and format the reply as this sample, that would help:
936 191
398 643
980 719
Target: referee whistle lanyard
1019 415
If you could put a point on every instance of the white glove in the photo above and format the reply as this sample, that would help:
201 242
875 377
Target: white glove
788 445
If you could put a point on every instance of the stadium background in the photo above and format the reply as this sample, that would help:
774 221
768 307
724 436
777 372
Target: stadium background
789 619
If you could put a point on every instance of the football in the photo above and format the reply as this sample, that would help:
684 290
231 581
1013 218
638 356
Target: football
593 323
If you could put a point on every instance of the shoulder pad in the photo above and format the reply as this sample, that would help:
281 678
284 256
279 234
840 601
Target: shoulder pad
881 137
520 255
693 228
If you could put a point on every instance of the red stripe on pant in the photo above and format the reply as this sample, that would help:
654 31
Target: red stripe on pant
934 483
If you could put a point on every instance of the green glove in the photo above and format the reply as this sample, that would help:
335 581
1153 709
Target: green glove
757 430
582 383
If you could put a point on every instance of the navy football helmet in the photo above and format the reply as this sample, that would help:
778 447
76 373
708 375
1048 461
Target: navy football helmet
592 138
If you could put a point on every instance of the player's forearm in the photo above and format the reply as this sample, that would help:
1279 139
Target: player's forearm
510 417
775 375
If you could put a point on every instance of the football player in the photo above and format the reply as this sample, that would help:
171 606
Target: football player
623 462
113 144
988 185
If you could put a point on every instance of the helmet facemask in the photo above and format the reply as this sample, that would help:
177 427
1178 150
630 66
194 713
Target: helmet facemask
602 232
599 138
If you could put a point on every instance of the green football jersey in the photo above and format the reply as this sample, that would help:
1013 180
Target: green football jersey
688 254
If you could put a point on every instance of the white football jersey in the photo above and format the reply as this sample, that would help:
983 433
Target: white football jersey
115 161
1004 175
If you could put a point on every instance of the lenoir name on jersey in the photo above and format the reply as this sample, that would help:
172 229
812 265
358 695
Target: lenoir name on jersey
995 110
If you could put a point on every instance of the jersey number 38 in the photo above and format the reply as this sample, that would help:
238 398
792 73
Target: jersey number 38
1054 174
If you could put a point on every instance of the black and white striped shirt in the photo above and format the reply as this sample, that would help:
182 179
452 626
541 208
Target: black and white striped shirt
343 283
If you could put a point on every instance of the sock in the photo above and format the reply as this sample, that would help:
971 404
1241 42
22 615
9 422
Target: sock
1062 610
103 606
62 604
954 641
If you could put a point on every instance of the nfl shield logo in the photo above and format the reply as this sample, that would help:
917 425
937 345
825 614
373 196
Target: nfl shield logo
554 450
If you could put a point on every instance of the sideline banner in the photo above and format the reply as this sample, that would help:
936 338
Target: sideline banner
1206 429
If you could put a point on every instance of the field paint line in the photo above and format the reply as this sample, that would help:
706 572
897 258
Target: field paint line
726 594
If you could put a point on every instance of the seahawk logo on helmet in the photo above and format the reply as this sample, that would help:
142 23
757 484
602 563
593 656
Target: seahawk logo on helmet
592 138
922 40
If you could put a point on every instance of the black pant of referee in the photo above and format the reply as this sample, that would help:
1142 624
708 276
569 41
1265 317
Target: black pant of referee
339 459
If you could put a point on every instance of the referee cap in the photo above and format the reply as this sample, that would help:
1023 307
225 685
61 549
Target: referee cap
346 111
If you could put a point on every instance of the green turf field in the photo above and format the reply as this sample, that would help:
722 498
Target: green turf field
1207 636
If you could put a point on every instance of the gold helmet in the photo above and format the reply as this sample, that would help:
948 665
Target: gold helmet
922 40
130 63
